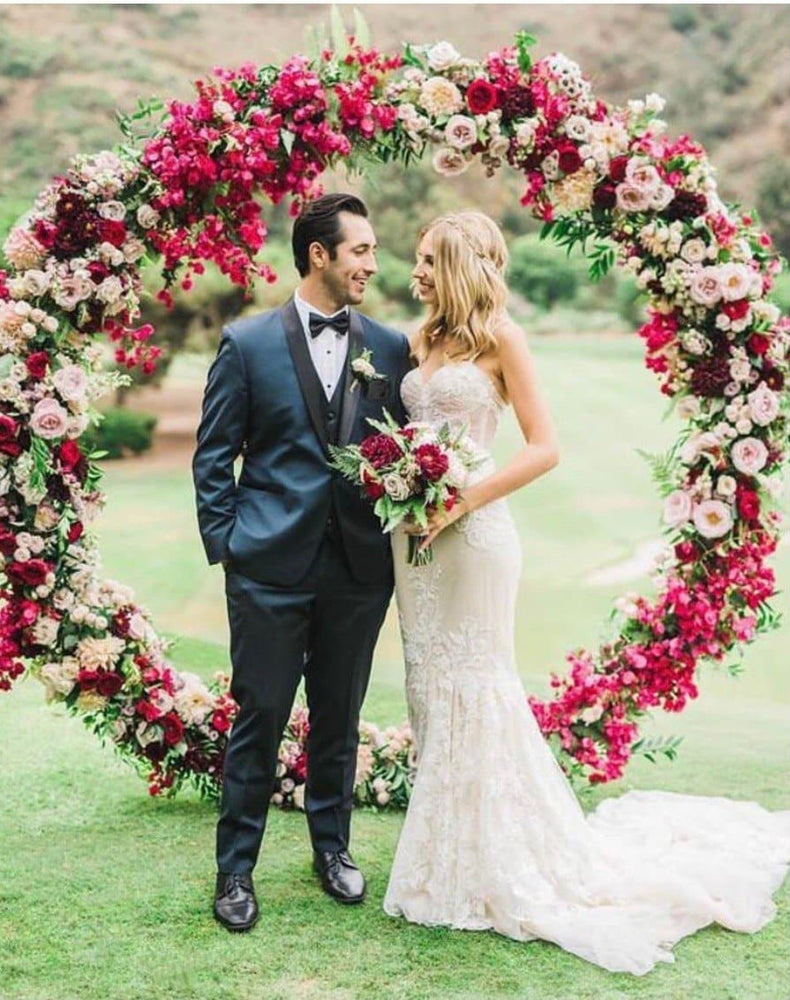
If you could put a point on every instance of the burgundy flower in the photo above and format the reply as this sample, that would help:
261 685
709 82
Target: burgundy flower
7 541
75 532
109 683
37 364
757 343
32 573
70 206
617 167
686 552
432 461
98 271
605 195
372 487
710 376
12 448
516 102
773 378
88 679
481 97
380 450
569 161
174 729
686 205
111 231
72 459
7 427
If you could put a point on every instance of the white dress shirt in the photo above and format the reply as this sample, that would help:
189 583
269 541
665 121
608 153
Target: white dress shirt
328 350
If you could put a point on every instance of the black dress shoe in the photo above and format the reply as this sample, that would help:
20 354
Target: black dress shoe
235 905
340 877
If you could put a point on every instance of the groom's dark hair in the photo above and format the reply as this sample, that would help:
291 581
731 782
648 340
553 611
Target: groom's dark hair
318 223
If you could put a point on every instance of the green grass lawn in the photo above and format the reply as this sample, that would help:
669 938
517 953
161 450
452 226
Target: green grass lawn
105 893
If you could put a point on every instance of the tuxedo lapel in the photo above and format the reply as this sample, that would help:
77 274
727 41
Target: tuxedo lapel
352 390
309 383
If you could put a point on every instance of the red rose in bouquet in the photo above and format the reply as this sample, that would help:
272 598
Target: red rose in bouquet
481 97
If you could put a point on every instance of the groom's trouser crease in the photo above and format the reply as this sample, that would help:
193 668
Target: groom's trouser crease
325 628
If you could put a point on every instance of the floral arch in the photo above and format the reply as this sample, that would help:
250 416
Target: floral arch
190 192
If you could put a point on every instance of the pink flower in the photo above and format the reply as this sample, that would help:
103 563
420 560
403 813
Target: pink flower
642 175
763 405
705 287
712 518
736 280
72 290
677 508
22 250
450 162
460 132
631 199
749 455
49 419
71 382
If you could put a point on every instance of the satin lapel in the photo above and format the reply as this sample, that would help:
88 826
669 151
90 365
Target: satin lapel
353 390
305 371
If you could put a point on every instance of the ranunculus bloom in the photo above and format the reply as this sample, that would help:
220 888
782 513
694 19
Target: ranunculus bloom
712 518
481 97
220 721
432 461
37 364
48 419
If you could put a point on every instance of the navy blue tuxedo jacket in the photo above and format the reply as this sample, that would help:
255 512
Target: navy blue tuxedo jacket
263 400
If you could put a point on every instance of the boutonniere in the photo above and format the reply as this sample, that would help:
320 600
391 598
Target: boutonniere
364 370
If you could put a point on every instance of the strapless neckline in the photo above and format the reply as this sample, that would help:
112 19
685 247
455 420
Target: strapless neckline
455 365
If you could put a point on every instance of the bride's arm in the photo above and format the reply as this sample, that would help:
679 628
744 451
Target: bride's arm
541 452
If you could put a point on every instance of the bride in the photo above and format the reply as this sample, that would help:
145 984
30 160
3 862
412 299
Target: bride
494 837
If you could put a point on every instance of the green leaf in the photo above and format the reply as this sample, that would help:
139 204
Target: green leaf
523 43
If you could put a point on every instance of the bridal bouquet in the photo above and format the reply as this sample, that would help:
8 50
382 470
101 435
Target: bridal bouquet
408 472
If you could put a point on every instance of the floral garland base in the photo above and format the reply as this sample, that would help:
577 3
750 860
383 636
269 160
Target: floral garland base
186 190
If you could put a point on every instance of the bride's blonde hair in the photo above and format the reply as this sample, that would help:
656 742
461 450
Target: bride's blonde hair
469 261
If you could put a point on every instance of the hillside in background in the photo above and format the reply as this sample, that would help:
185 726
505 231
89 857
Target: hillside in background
65 69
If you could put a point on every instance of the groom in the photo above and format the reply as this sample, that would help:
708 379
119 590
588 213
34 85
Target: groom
308 572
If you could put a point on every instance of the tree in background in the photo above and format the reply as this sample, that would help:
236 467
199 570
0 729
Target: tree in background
773 202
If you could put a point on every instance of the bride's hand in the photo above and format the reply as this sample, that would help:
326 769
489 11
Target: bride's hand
438 520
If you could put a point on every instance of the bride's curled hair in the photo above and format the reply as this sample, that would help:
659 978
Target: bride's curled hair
469 261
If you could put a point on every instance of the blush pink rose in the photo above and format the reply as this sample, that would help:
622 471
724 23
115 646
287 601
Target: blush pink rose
712 518
749 455
49 419
677 508
763 405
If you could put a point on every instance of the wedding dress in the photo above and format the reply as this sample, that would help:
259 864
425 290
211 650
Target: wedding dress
494 837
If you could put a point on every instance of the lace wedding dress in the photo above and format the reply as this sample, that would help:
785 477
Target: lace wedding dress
494 837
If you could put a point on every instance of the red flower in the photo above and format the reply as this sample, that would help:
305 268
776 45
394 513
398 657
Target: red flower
380 450
7 427
148 711
174 729
748 504
113 232
686 552
371 486
617 167
433 462
758 343
75 532
12 448
32 573
72 459
569 161
37 364
109 684
481 97
736 310
220 721
7 541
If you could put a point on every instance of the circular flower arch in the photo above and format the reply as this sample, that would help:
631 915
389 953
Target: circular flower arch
187 189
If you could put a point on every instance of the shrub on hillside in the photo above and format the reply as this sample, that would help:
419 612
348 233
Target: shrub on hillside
121 431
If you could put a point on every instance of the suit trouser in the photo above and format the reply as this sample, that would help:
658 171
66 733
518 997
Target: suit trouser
325 628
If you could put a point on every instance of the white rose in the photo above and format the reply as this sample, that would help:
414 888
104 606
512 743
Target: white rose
712 518
147 216
287 785
736 280
677 508
631 199
441 56
694 250
114 210
641 174
48 419
726 486
578 127
525 134
705 286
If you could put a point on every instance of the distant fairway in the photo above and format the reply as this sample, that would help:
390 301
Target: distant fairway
106 893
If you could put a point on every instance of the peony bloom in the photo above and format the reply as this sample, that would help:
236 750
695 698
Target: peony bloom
763 405
49 419
99 654
749 455
442 56
460 132
677 508
450 162
71 382
22 250
712 518
440 97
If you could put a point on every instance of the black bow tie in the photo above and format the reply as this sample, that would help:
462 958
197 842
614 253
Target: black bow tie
338 322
